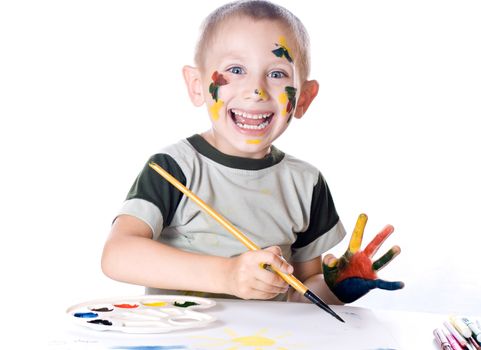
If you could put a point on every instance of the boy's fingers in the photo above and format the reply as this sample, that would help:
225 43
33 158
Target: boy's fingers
276 260
377 241
330 260
381 284
270 282
386 258
356 238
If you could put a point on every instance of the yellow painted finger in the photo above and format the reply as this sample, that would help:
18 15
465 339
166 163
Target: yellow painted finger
356 238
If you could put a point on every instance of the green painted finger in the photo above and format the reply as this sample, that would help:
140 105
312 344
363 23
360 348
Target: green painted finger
356 238
386 258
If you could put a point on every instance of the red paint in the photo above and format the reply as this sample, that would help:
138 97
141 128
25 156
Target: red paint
219 79
374 245
126 306
360 265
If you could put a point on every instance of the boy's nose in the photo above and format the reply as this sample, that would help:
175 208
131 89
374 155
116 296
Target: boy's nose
256 93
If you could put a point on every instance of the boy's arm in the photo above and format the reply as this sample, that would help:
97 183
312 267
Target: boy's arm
131 255
310 273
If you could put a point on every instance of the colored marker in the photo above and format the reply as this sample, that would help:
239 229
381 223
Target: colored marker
461 340
473 343
289 278
451 340
474 328
460 326
441 339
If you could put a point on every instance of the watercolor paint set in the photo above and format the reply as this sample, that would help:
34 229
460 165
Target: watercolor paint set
144 314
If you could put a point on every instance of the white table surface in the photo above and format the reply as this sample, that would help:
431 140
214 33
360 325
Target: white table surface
290 325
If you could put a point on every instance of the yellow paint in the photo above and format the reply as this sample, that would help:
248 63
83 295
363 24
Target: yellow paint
356 238
156 304
215 108
257 341
283 43
262 94
253 142
254 340
266 191
283 99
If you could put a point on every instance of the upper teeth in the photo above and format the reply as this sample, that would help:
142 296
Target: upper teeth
251 116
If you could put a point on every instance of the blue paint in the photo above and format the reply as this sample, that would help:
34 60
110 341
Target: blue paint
85 314
152 347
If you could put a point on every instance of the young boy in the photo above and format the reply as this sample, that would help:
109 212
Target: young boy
252 67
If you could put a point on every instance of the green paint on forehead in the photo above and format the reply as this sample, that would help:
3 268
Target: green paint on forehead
282 50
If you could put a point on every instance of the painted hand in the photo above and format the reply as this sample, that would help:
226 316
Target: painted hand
354 273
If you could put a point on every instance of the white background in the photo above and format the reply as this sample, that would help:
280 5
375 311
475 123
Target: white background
90 89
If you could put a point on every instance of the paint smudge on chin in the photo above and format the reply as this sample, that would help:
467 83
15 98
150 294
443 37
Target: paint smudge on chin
215 108
253 142
283 50
217 81
185 304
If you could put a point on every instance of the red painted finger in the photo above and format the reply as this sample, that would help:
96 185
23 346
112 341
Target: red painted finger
377 241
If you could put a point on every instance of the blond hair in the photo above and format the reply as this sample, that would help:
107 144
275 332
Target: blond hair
257 10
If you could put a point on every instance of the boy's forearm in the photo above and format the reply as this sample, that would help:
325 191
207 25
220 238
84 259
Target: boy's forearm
318 286
142 261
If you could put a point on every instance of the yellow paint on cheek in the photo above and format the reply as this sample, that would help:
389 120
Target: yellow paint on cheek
215 108
253 142
283 100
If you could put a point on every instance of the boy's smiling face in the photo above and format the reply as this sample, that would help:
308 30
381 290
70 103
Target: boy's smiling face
249 85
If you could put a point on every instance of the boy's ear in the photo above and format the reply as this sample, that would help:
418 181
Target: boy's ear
193 81
309 91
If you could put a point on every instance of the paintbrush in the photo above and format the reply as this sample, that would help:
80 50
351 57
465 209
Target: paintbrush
289 278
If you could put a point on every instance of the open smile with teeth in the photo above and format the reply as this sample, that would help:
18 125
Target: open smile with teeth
251 121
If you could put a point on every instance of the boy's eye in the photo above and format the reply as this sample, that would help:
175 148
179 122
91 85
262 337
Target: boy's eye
236 70
277 74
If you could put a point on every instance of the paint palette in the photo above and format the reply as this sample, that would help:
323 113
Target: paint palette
144 314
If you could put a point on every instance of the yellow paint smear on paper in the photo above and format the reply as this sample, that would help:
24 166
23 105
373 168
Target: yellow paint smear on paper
283 99
215 108
257 341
